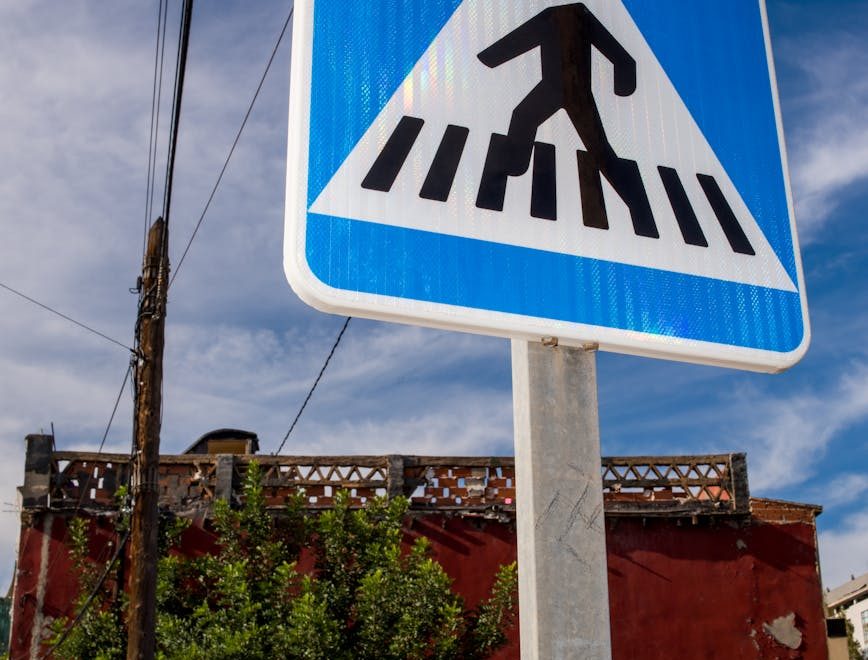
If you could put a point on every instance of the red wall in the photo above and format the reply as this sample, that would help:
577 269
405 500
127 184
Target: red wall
470 551
677 590
713 588
60 587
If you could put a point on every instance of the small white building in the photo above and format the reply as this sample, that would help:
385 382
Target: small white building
851 600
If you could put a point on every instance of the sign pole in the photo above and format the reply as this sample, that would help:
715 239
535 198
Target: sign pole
563 587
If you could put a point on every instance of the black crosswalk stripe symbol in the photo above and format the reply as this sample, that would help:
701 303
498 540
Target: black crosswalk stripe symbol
391 159
623 174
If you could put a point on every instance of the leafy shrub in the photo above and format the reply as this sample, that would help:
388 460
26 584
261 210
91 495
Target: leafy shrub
366 599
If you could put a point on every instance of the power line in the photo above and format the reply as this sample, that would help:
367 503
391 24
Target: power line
115 409
64 316
180 71
150 335
87 603
234 144
121 543
315 383
83 488
156 102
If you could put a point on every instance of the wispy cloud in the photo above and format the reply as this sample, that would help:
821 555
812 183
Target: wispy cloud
383 382
788 435
840 490
829 143
461 422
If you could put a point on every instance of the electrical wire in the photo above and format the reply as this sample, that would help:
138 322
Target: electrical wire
115 409
234 144
64 316
180 71
156 100
87 603
315 383
83 488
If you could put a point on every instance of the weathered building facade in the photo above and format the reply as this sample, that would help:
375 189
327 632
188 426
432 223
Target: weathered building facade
697 568
850 600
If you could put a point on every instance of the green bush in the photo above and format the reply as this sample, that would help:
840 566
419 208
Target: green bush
366 599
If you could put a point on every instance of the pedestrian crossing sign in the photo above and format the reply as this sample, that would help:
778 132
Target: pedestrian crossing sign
606 172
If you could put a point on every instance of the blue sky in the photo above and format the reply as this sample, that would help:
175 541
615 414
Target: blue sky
242 349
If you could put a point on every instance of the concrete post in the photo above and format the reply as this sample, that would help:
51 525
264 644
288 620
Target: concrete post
224 473
563 587
37 471
395 476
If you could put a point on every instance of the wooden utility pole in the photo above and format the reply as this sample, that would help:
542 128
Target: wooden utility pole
141 640
150 337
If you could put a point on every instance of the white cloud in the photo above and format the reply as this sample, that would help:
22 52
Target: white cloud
835 158
788 435
829 139
463 422
844 551
841 490
382 381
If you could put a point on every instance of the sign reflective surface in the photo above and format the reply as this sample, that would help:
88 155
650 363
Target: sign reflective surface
608 172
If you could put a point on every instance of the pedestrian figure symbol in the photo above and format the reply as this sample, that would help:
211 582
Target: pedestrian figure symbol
566 37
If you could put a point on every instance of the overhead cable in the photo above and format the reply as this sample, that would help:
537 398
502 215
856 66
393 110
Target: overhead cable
180 71
315 383
156 102
89 600
64 316
83 489
115 409
234 144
